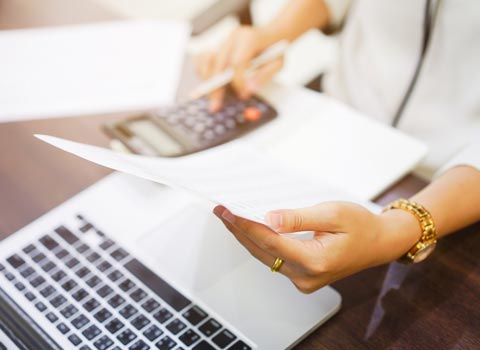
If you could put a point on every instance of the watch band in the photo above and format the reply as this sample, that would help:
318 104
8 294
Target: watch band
427 225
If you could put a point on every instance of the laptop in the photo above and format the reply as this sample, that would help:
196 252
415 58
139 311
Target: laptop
129 264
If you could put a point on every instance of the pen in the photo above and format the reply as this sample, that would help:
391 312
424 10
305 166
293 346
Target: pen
221 79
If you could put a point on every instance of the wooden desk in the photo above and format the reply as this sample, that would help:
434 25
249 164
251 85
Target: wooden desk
433 305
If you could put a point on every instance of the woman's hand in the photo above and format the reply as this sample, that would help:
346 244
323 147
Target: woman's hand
237 51
347 238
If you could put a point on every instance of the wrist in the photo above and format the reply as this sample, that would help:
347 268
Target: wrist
399 231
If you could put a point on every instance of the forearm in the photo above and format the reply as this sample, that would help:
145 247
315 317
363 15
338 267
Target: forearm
453 201
294 19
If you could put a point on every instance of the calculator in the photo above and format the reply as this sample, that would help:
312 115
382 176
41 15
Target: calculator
189 127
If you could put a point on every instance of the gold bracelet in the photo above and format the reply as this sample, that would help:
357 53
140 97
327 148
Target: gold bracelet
427 242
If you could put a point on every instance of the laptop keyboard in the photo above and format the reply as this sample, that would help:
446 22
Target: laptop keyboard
100 297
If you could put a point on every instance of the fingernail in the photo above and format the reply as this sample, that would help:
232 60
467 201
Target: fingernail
218 210
275 220
228 216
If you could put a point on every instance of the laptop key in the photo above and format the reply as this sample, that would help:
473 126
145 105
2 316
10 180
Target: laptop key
40 306
126 337
28 249
39 257
68 311
80 294
166 343
116 301
176 326
93 257
30 296
16 261
47 291
140 322
103 343
63 328
61 253
48 242
240 345
74 339
102 315
163 315
58 301
37 281
58 275
27 271
91 304
138 294
104 266
104 291
72 262
114 325
106 244
152 333
51 317
126 285
9 276
48 266
69 285
20 286
115 275
86 227
86 347
128 311
91 332
189 337
119 254
80 321
82 248
210 327
93 281
150 305
195 315
66 234
139 345
224 338
82 272
164 290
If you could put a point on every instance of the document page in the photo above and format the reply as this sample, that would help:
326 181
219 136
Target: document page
235 175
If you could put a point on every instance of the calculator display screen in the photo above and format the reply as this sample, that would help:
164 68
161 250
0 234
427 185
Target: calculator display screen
155 137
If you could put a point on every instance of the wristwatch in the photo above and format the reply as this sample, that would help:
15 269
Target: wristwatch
428 240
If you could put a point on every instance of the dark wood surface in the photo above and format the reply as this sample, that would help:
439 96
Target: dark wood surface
433 305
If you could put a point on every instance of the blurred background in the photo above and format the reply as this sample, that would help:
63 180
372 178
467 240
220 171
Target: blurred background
211 20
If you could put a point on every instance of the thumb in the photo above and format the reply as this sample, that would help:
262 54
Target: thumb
321 217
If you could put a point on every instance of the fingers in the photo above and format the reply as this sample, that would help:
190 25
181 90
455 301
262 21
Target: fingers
328 216
287 248
263 256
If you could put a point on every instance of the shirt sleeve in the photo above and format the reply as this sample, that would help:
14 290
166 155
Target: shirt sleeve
468 155
338 10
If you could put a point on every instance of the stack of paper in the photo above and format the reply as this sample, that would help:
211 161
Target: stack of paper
86 69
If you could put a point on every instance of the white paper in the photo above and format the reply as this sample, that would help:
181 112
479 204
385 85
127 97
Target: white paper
87 69
234 175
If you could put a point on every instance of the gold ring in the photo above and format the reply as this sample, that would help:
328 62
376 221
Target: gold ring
276 265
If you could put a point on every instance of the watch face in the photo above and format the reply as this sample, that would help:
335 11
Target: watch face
424 252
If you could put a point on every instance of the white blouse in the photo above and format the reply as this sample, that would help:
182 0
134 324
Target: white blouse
379 49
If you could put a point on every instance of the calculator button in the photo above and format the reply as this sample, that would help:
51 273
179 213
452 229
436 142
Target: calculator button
252 114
